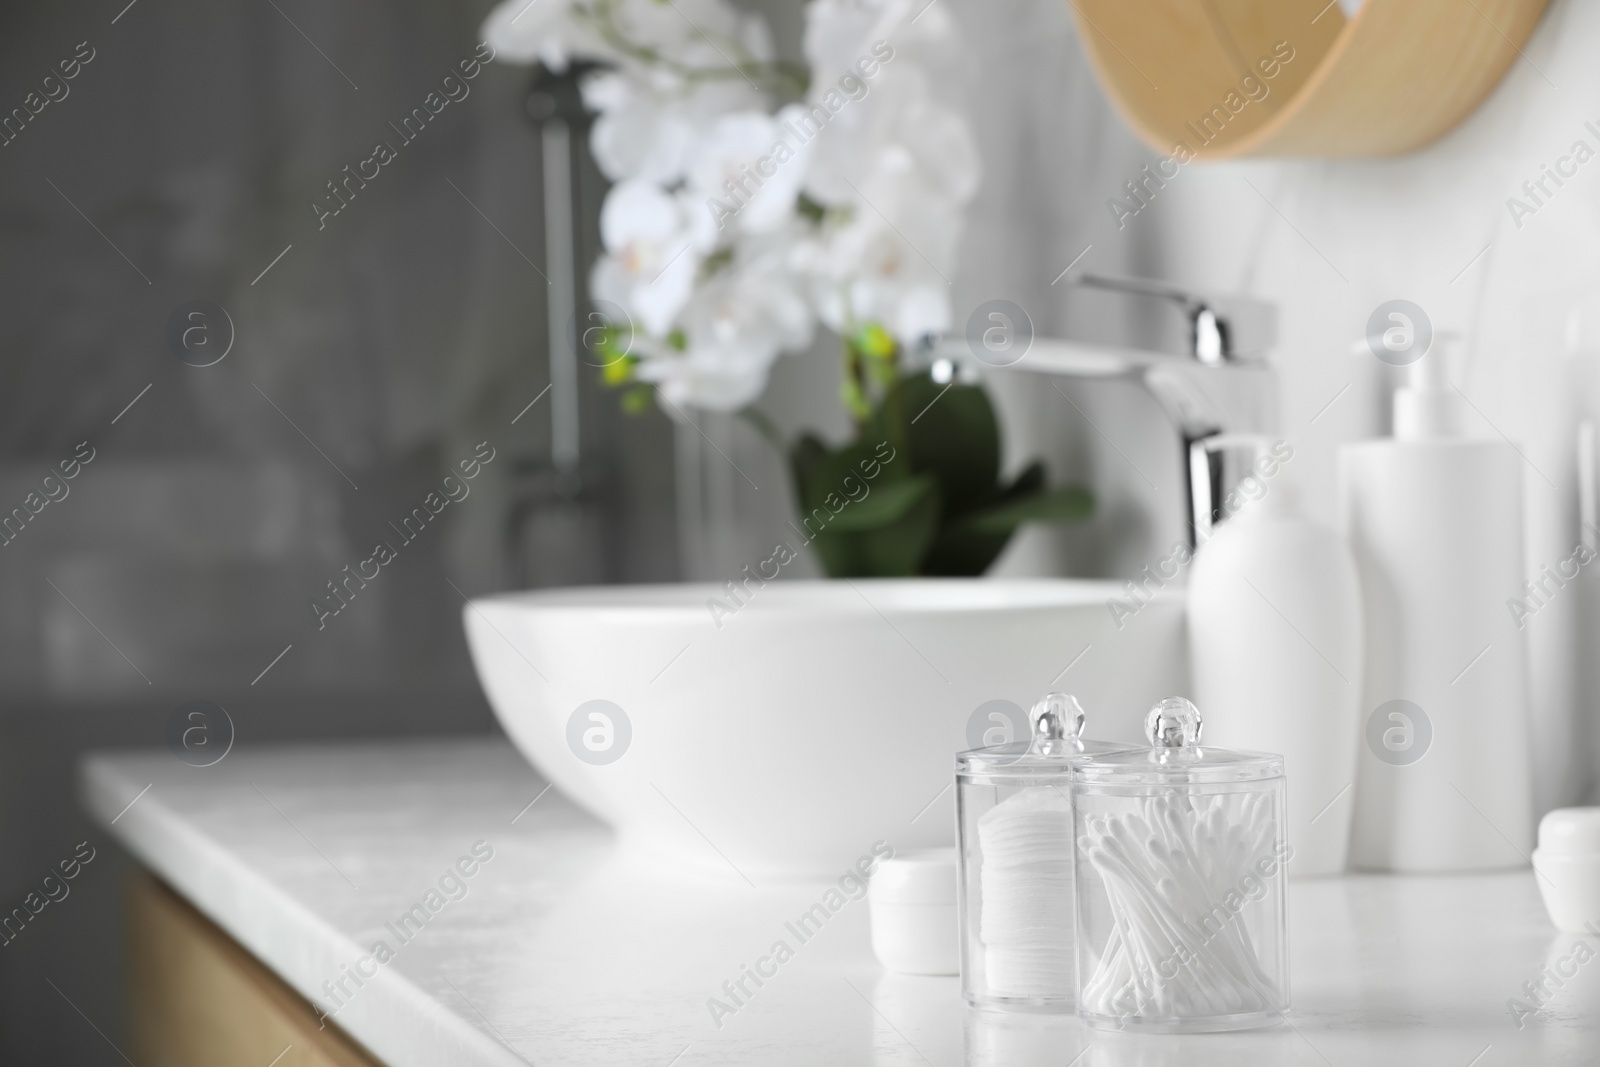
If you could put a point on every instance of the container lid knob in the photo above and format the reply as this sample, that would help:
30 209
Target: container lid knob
1173 723
1057 720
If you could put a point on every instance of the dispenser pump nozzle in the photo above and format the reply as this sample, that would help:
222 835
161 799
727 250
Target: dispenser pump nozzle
1428 407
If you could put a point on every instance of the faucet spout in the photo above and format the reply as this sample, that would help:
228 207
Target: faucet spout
1221 383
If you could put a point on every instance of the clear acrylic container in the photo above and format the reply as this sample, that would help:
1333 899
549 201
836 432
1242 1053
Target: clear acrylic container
1014 893
1181 883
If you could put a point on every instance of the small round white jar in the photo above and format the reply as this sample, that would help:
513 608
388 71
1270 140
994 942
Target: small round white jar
1567 867
912 899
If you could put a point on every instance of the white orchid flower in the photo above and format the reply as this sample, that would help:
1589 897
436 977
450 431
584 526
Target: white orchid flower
840 32
745 176
890 256
737 323
539 31
897 114
645 132
650 266
706 246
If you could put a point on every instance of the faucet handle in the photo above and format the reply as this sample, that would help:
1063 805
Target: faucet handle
1222 329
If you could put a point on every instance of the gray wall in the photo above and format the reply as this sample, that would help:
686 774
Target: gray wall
185 556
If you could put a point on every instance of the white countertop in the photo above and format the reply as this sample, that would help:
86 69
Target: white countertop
558 953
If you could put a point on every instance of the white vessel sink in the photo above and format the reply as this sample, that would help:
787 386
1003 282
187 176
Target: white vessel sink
783 740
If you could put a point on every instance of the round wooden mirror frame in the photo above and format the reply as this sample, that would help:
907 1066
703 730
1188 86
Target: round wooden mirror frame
1211 79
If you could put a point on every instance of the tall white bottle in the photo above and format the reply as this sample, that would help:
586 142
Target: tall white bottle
1435 522
1276 646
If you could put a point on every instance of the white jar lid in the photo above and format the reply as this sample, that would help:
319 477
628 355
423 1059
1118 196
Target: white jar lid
1570 832
924 876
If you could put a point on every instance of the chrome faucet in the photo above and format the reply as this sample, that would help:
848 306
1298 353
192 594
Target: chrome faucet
1220 384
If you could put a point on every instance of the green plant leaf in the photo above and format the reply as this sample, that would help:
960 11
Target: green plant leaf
928 456
893 550
821 471
864 510
883 504
807 458
960 553
1067 504
969 545
951 433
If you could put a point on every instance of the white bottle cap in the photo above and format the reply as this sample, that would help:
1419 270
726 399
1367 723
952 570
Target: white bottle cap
1428 407
1571 832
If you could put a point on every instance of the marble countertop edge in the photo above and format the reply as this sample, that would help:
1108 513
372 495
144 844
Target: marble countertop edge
289 938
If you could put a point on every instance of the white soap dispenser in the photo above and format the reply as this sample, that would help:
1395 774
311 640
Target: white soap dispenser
1434 519
1276 647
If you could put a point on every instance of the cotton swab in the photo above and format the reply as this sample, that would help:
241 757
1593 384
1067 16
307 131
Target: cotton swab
1178 946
